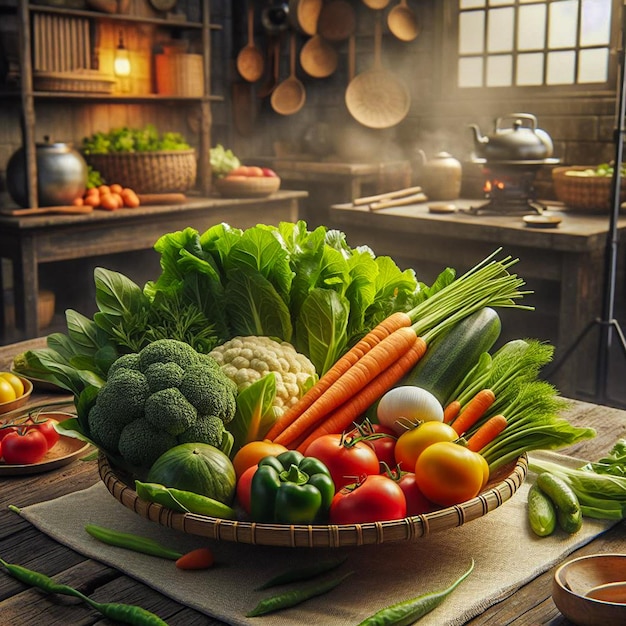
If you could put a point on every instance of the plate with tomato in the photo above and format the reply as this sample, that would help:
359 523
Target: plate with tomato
30 444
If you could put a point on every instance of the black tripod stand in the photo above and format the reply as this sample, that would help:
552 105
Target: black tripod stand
607 323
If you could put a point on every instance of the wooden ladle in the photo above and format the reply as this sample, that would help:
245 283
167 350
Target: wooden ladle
403 22
250 60
289 97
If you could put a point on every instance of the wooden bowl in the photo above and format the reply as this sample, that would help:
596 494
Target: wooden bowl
578 578
247 187
5 407
500 488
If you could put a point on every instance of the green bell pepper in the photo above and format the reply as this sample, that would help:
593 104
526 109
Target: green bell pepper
291 489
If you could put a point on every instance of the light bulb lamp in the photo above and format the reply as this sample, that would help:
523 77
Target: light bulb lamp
121 61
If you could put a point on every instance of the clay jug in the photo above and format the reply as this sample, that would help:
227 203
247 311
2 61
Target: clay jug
440 176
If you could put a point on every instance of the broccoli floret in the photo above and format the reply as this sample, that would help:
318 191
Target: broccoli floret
129 361
104 431
161 391
123 396
164 375
208 390
168 410
207 429
140 444
165 351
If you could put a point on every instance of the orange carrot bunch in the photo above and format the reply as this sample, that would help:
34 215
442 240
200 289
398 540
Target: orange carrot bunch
389 352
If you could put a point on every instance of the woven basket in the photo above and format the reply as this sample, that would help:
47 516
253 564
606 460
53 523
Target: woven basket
249 187
148 172
589 194
500 488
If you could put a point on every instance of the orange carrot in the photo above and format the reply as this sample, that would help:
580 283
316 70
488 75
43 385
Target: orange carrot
341 366
473 410
343 417
451 411
487 433
378 359
201 558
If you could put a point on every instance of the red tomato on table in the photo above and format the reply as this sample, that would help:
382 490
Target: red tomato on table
24 448
375 498
346 458
46 427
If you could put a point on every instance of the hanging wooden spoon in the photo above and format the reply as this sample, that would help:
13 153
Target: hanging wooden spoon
289 97
403 22
250 60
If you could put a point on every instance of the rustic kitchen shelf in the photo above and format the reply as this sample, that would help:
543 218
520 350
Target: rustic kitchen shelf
30 97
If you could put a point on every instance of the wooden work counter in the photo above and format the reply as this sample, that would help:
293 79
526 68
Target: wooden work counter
22 543
29 241
331 181
563 266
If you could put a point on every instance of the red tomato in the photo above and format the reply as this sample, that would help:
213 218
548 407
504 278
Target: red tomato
346 458
24 448
376 498
381 439
5 430
244 486
416 502
448 473
46 427
269 173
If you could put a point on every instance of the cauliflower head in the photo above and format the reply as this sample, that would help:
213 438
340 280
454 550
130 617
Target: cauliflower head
248 359
164 395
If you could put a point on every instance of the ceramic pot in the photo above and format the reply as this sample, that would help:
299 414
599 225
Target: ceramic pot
441 176
61 174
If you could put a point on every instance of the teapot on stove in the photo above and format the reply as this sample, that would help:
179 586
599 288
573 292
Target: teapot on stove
516 142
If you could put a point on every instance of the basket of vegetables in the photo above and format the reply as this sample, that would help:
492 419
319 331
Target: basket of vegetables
586 189
143 159
276 386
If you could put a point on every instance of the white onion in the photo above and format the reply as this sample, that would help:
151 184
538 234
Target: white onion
401 406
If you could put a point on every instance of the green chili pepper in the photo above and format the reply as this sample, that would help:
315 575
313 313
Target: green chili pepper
183 501
409 611
303 573
291 489
131 542
126 613
295 596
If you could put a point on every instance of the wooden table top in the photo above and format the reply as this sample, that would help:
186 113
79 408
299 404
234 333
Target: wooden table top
22 543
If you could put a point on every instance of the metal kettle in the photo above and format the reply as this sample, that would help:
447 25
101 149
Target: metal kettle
521 140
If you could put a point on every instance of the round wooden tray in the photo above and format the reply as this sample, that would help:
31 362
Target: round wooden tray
500 488
250 187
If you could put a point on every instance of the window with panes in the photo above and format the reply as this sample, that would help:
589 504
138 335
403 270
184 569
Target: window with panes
526 44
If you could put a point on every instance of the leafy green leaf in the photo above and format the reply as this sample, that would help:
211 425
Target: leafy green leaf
255 413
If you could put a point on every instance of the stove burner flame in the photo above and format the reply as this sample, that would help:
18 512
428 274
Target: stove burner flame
509 189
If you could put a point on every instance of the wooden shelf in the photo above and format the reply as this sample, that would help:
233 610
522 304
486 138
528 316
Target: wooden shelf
121 17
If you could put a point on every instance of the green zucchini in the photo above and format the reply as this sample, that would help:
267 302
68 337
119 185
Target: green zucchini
541 512
452 355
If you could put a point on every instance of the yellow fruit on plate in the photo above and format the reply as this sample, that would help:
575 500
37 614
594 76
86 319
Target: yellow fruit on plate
7 393
15 382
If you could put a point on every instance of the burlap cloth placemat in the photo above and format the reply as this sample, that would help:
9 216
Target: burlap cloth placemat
506 554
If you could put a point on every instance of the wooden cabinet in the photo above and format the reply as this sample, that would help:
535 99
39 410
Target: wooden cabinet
32 50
